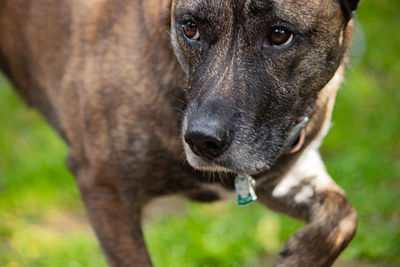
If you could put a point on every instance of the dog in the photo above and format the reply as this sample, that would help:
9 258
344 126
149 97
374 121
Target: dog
151 96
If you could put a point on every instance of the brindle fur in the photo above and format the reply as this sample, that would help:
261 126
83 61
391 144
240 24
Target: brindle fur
107 78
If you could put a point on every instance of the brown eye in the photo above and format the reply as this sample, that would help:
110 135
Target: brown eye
280 37
191 31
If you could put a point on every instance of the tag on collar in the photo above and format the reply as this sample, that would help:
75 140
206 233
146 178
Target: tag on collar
244 185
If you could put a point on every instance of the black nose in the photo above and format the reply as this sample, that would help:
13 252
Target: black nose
207 138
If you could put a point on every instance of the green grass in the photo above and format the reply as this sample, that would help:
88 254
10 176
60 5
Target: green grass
42 221
39 201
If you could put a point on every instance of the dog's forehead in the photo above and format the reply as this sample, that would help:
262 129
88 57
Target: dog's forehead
301 12
307 12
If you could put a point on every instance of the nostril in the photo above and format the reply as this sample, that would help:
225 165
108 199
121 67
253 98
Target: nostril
211 145
206 146
189 141
212 149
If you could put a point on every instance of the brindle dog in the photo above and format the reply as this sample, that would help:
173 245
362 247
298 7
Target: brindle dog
132 86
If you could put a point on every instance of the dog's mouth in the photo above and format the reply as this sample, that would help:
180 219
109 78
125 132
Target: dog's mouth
237 163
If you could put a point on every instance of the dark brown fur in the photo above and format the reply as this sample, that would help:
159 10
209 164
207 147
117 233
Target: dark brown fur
105 76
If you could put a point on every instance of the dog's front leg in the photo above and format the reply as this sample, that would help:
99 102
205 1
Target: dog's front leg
116 219
308 193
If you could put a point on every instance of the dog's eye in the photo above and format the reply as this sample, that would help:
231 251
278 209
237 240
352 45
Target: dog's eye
279 37
191 31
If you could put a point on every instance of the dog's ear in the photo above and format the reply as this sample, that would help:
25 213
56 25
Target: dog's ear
352 4
348 7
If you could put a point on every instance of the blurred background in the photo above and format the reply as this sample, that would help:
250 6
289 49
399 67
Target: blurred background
43 223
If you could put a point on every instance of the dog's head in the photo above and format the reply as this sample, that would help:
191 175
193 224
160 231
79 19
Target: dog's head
253 67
